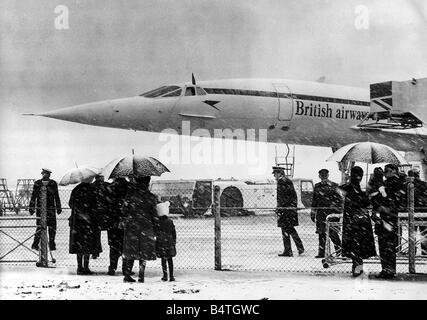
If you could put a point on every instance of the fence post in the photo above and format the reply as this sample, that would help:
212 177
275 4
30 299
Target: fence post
217 215
43 259
411 227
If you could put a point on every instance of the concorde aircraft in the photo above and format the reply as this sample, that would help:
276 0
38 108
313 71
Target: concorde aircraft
291 111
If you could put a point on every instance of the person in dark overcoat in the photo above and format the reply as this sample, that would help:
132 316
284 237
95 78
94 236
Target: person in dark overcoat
53 204
166 244
327 198
83 225
140 223
112 223
394 198
420 203
287 216
100 188
357 235
375 196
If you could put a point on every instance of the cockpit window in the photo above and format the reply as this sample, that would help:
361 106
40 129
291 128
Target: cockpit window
190 91
162 91
175 93
200 91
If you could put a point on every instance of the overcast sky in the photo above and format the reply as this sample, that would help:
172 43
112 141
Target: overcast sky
115 49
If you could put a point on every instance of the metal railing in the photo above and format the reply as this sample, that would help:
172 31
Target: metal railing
232 237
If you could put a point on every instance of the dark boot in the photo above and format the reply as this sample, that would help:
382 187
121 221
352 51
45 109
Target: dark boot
111 271
127 264
114 257
165 270
86 264
80 270
128 278
170 263
124 266
320 255
286 254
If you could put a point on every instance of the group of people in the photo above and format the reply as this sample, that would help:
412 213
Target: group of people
326 200
385 195
127 210
136 230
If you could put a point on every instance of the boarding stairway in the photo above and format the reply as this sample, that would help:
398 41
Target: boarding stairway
24 188
7 202
286 161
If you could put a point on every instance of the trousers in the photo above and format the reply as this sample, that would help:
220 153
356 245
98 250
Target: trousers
335 240
51 230
287 233
387 245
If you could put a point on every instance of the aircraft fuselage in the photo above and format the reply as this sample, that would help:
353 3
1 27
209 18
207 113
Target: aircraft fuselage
294 112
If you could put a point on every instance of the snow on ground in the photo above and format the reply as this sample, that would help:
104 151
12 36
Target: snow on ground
29 282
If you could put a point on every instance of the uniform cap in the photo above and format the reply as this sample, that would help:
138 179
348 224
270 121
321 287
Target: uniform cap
278 169
323 171
46 170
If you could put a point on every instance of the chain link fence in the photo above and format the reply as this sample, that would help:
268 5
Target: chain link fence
227 228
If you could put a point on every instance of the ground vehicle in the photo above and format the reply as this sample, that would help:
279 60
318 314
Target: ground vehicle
237 197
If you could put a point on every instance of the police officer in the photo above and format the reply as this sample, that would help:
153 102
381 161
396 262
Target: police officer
287 215
53 203
327 198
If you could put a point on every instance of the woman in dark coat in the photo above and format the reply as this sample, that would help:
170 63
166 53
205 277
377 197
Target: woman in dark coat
357 236
83 225
140 222
166 244
112 219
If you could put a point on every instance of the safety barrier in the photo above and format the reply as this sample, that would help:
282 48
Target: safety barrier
334 257
222 235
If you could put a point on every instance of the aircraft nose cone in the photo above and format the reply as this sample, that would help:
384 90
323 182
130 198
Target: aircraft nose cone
88 113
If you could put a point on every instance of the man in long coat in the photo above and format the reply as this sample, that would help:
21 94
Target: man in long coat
394 193
326 200
53 204
287 215
140 226
357 235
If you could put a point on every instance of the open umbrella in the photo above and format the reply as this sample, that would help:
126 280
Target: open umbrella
134 165
367 152
77 175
